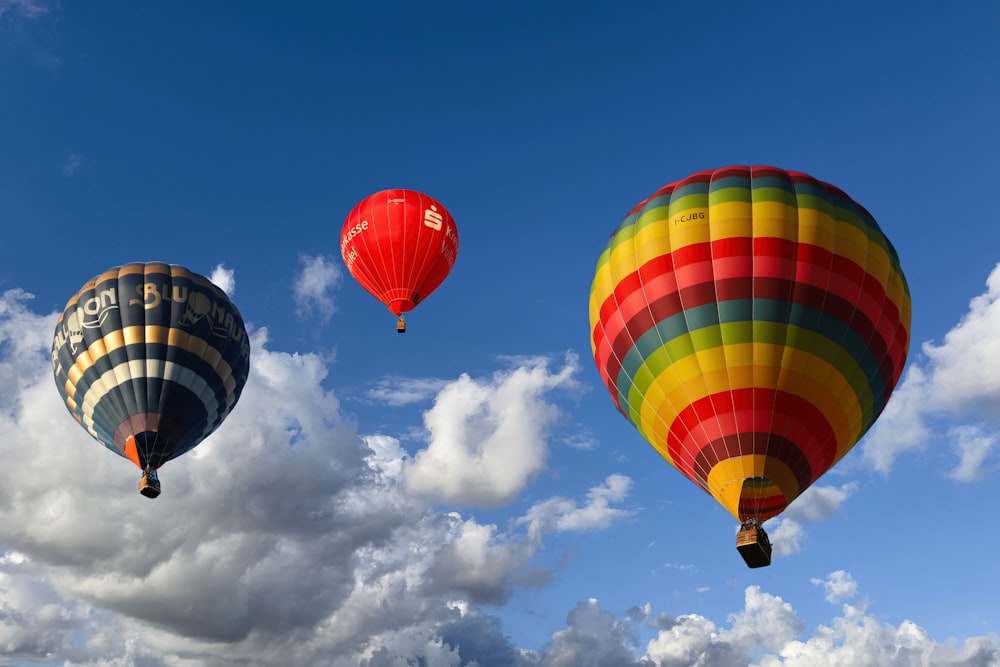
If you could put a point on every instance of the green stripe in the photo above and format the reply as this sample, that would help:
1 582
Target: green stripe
650 356
694 200
652 213
767 194
729 194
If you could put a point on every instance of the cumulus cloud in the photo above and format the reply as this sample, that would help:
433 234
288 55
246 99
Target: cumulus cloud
593 636
284 539
484 567
839 586
819 503
487 438
902 427
561 514
290 488
314 285
288 539
856 639
224 279
767 633
955 379
786 536
34 620
766 622
974 445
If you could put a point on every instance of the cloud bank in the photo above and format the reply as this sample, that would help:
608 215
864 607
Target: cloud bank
289 538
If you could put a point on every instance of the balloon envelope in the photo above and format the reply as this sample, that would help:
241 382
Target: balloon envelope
751 323
400 245
150 358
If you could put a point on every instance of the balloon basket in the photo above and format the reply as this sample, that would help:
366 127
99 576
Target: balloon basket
753 545
149 485
401 325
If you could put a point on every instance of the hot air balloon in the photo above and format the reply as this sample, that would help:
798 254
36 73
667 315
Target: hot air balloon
400 245
751 324
150 359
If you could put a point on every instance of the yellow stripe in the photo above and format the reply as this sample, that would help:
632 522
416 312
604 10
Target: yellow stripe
157 335
620 264
804 375
853 244
656 404
725 481
134 335
775 220
650 242
118 338
136 268
731 219
816 228
691 232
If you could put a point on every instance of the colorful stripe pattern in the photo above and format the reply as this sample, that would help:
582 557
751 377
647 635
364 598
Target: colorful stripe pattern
150 358
751 323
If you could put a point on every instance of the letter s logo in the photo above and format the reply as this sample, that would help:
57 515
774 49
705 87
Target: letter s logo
432 218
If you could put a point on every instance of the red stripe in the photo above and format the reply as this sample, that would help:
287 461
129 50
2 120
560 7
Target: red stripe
814 277
752 421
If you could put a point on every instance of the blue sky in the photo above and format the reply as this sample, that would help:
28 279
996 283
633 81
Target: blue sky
466 494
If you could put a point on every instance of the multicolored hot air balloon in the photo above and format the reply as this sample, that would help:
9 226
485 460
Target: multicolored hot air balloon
400 245
751 323
150 358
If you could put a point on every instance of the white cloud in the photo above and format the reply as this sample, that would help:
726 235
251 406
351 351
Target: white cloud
839 586
224 279
287 539
956 379
318 278
856 639
34 620
476 562
819 503
283 539
786 535
974 446
964 365
22 335
387 455
683 643
593 637
488 437
766 623
766 633
563 514
902 426
267 536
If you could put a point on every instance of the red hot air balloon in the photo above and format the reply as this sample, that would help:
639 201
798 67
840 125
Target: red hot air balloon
400 245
